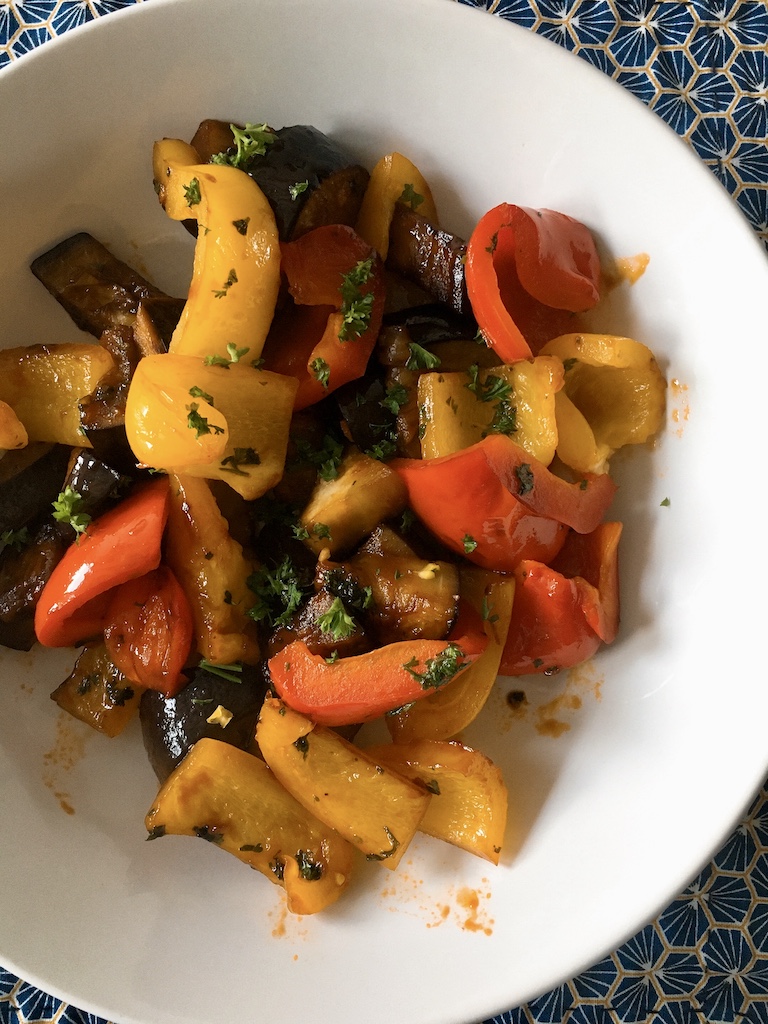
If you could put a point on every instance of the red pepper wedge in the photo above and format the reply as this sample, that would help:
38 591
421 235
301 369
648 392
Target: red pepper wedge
524 267
149 630
563 612
308 339
120 545
366 686
496 505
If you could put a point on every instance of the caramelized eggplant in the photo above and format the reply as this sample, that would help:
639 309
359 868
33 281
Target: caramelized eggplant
29 491
98 290
97 693
431 257
307 178
171 725
24 571
306 626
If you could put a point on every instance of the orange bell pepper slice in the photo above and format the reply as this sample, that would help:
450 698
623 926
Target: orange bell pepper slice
367 686
119 546
496 505
562 613
526 271
326 339
149 631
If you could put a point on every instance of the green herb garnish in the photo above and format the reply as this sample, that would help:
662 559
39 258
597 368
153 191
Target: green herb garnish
67 508
250 141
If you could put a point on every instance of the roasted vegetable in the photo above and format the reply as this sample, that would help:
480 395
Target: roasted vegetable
97 693
376 810
231 799
172 725
29 482
25 569
347 508
307 178
431 257
469 797
98 290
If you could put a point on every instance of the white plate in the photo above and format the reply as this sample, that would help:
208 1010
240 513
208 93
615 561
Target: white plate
610 819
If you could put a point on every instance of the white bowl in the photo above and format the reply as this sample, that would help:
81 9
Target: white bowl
610 819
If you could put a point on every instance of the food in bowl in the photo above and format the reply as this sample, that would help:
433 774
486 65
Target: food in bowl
362 468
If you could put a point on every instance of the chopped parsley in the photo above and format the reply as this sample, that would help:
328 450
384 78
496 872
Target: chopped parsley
67 508
336 622
394 844
235 355
421 359
199 423
665 503
241 225
280 591
231 279
492 389
309 869
294 191
192 193
411 197
302 745
469 544
16 539
321 370
197 392
326 459
395 398
437 670
240 457
233 673
356 305
250 141
504 418
322 531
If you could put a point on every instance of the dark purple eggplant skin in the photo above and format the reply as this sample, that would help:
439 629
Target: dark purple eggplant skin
97 290
300 154
24 571
431 257
171 725
25 495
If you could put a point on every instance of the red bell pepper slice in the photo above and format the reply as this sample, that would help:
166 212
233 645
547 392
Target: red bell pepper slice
563 612
526 271
363 687
308 340
120 545
495 504
149 631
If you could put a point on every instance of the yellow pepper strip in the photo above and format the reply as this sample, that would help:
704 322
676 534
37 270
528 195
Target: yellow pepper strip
44 385
230 797
443 714
576 446
459 409
174 398
213 571
13 433
375 809
469 803
394 179
615 383
236 273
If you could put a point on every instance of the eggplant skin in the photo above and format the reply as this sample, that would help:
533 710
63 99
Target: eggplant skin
97 290
171 725
23 574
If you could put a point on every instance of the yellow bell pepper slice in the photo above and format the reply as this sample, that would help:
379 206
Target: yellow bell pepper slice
232 799
13 433
615 383
394 179
445 712
375 809
236 273
459 409
225 422
469 797
577 446
44 384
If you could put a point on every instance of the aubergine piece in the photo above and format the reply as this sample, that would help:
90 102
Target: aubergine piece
28 493
97 693
99 485
307 178
369 411
24 571
431 257
98 290
171 725
306 626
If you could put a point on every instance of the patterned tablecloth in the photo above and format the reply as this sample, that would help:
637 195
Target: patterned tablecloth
703 67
